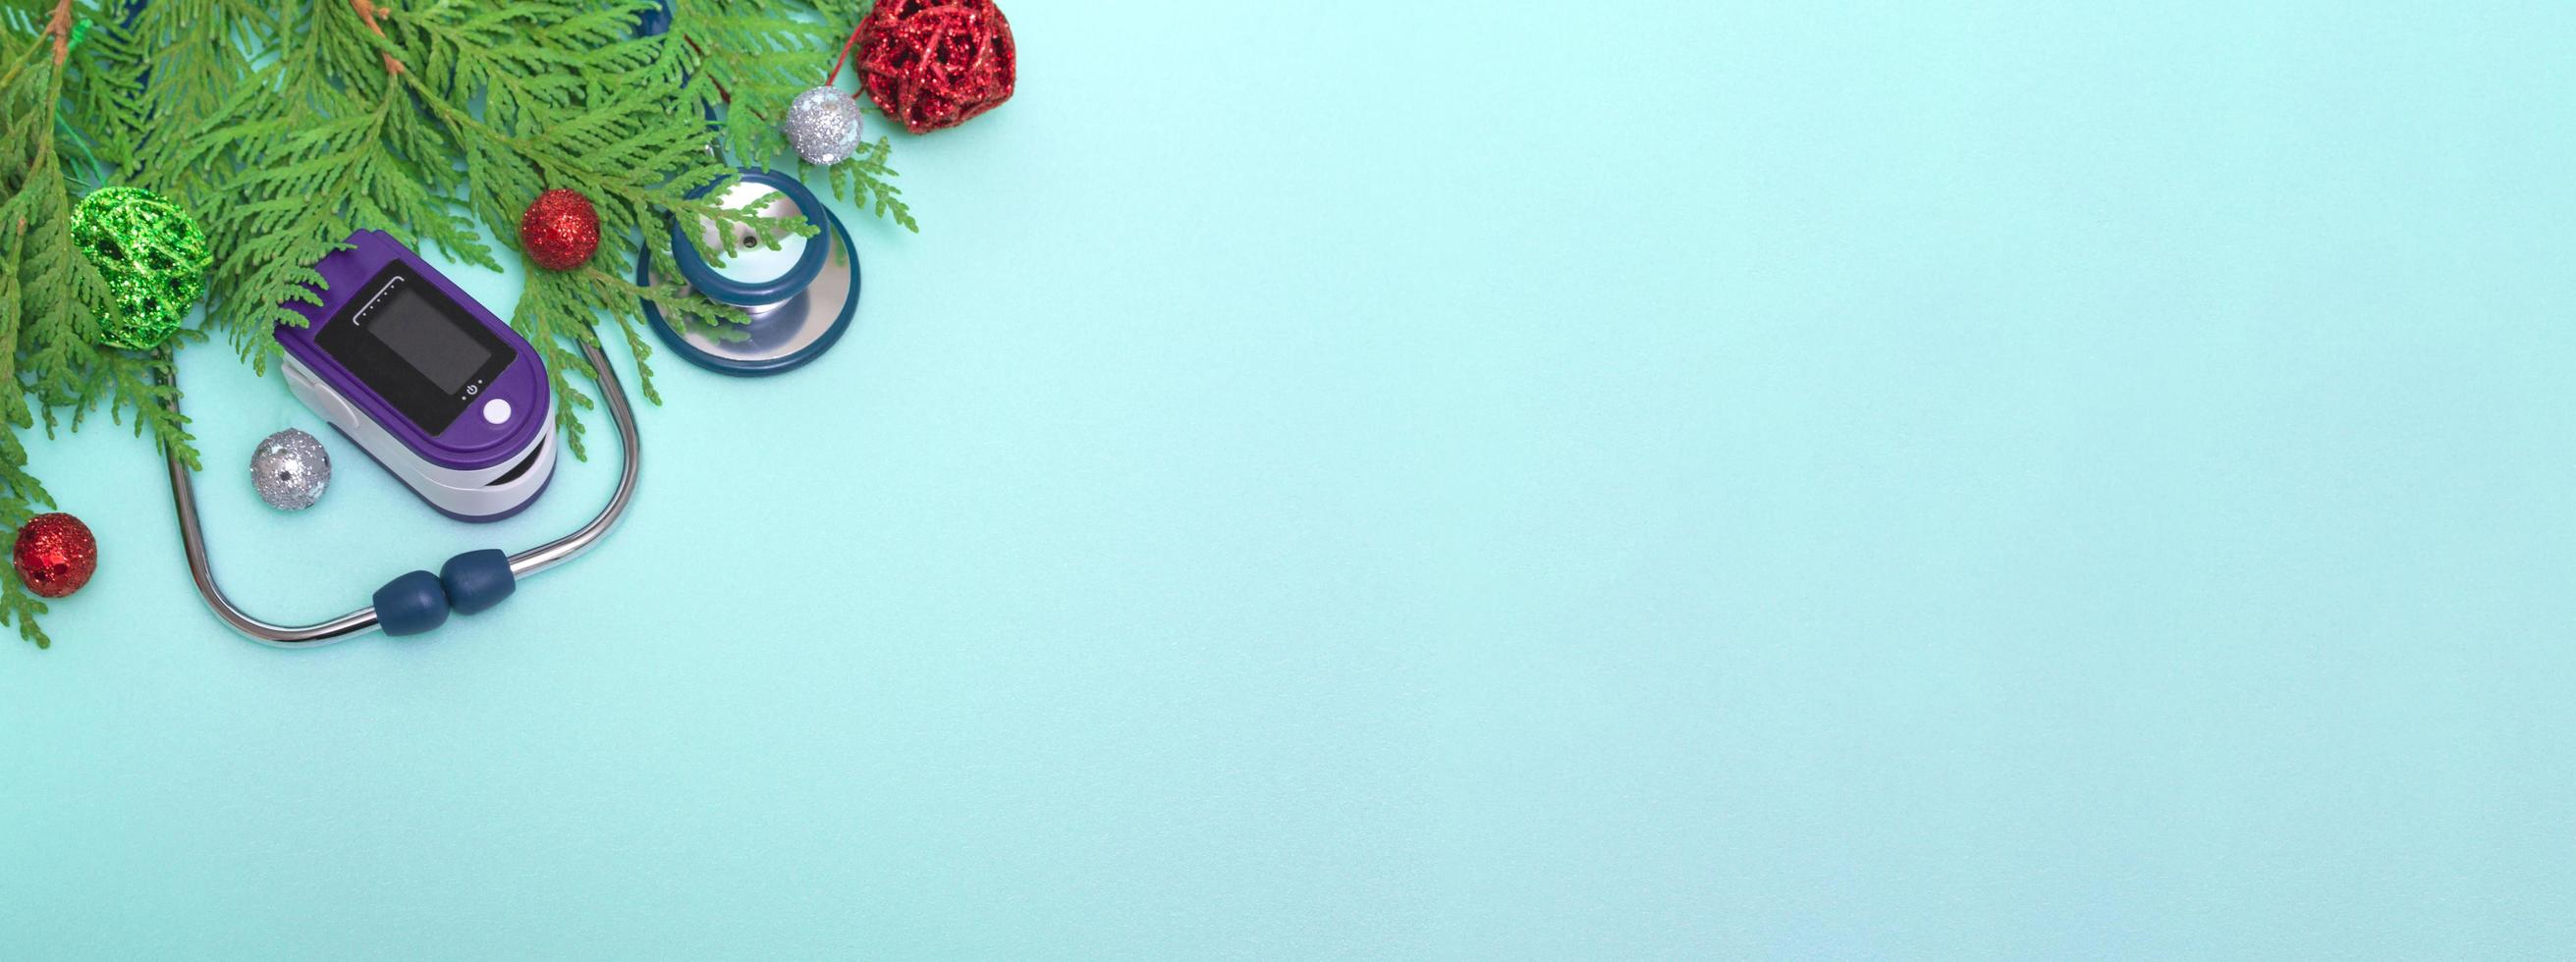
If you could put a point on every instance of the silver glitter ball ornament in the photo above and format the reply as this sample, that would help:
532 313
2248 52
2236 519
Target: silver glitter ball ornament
823 125
290 469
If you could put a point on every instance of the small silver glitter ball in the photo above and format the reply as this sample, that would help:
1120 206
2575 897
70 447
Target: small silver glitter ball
291 469
823 125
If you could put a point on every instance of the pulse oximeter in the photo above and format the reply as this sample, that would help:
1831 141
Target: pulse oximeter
430 384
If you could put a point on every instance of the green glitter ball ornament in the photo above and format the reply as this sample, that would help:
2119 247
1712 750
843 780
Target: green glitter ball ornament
154 260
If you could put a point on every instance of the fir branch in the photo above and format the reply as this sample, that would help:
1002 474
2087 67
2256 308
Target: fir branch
367 11
748 62
54 361
284 127
495 104
60 28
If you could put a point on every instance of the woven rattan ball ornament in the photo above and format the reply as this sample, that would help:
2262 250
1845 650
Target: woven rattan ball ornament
152 256
936 63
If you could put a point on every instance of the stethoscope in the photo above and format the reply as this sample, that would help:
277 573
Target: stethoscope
797 302
484 578
467 583
798 308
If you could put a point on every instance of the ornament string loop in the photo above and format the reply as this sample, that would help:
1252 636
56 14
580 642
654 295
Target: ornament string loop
835 75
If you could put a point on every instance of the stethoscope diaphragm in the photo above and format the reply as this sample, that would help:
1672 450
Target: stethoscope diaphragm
799 297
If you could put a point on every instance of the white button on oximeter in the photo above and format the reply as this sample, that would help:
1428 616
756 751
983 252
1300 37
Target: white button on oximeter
496 411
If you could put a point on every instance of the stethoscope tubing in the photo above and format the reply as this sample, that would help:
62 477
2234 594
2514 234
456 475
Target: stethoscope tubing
192 538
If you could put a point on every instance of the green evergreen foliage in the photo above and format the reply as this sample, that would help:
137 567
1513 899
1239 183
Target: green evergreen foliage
46 287
282 127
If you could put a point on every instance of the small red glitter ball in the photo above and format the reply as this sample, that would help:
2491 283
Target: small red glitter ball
55 554
560 230
936 63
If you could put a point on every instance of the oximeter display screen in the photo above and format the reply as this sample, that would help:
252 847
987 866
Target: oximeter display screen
415 347
429 341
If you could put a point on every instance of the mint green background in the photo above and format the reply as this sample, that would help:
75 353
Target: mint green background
1472 481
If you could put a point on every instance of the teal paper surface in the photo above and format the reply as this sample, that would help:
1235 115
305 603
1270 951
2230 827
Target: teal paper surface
1478 481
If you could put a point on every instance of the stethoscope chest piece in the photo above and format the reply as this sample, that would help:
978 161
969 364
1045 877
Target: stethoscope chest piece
800 297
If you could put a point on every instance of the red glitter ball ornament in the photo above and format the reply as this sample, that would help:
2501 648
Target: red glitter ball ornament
55 554
560 230
936 63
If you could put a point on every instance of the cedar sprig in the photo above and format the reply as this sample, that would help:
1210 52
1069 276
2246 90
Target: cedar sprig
62 131
283 126
438 122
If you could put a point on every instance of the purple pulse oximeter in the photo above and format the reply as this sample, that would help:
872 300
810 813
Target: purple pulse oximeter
433 386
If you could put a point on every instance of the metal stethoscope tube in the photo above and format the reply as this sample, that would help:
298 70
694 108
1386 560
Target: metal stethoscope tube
183 496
